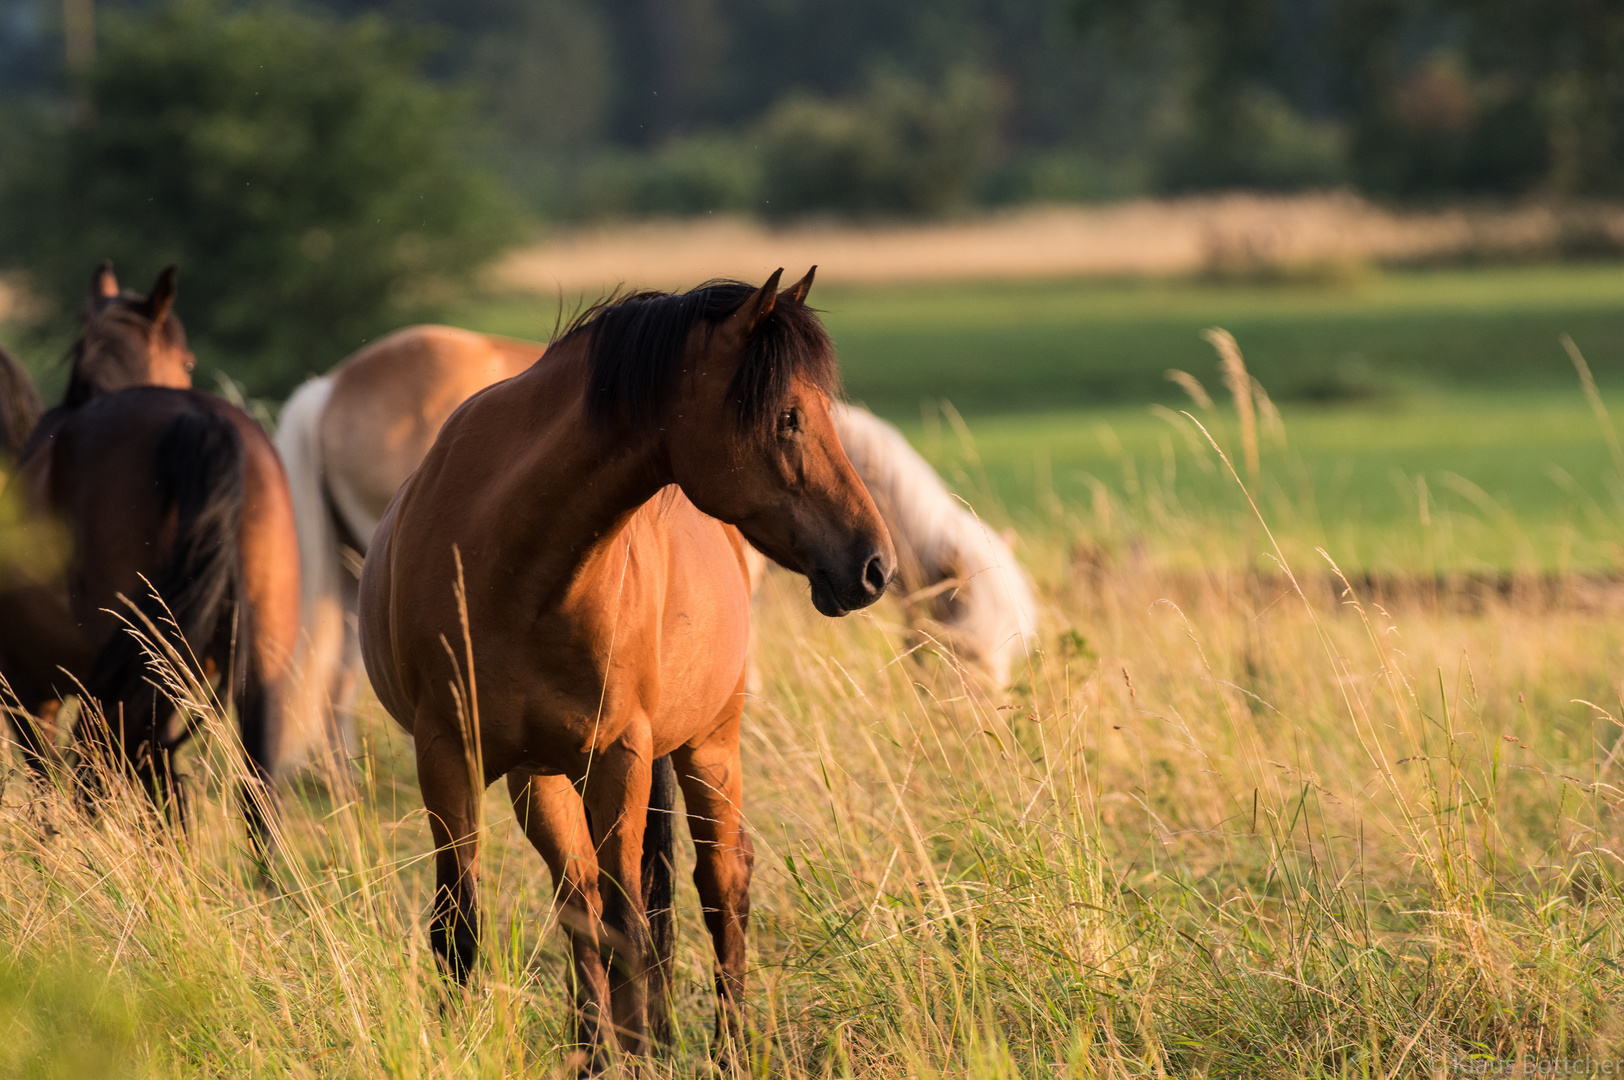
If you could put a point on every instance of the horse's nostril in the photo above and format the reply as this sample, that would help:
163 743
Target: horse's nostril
874 576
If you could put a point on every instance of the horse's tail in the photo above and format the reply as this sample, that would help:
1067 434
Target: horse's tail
198 467
659 854
20 406
321 644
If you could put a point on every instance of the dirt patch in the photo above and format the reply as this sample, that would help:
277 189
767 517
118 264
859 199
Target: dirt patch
1235 234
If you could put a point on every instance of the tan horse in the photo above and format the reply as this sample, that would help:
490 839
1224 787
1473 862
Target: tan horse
151 482
350 439
558 595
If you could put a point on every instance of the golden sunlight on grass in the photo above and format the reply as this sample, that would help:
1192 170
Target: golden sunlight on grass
1217 829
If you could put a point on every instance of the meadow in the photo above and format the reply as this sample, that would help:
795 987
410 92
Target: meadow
1435 421
1235 818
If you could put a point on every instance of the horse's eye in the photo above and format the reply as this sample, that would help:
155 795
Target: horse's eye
789 421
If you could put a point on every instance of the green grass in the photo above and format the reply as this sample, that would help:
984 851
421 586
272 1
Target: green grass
1016 347
1215 830
1434 482
1447 386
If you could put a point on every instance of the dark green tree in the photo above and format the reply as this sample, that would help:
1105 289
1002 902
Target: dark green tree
1563 62
901 148
307 181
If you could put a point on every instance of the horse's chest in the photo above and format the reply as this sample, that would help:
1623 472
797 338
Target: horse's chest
584 688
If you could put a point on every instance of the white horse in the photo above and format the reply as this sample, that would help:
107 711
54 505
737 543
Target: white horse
964 585
350 438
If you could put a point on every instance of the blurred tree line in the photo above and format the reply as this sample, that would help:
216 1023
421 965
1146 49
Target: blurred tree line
324 170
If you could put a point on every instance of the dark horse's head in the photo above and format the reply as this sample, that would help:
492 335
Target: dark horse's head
129 339
737 382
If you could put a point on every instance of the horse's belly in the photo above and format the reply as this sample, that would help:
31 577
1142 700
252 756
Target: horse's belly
705 634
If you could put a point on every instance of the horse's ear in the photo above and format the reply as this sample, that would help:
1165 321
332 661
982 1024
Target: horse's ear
162 297
797 292
754 311
103 285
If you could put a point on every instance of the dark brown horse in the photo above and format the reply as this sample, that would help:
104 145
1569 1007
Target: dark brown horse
19 411
173 499
559 596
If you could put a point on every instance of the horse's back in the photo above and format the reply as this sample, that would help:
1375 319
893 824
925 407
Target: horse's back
387 405
97 469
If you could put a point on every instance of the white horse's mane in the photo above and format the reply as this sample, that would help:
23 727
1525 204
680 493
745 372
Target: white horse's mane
964 575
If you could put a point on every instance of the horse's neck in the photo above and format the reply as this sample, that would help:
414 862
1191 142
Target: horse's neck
85 381
578 485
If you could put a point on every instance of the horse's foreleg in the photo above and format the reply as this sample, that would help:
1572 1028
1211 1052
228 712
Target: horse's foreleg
617 797
658 852
713 789
550 812
450 797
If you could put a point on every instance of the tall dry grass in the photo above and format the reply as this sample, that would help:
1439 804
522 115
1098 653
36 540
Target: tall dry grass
1327 237
1221 827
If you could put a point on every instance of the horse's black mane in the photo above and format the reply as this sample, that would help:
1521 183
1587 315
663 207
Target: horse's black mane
115 340
634 352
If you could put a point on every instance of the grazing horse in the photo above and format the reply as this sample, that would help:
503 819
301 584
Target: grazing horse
558 595
964 585
176 500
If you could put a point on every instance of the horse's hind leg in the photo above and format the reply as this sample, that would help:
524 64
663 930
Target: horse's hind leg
550 811
450 797
712 790
259 719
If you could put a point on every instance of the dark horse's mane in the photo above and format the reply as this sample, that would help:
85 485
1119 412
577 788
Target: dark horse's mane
19 405
634 352
116 339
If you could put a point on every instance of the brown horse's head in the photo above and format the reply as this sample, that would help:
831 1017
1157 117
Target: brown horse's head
129 339
739 380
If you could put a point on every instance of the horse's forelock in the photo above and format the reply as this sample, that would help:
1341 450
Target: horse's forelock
116 340
635 343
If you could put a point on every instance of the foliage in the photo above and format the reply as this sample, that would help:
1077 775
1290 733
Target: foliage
302 175
691 175
1262 143
902 147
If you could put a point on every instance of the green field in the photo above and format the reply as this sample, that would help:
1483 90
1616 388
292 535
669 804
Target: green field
1015 347
1442 388
1433 482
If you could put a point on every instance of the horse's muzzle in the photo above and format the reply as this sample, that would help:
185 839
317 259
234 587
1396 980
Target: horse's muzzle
836 595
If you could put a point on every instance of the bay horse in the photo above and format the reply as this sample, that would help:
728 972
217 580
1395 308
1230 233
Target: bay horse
351 437
558 595
173 499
